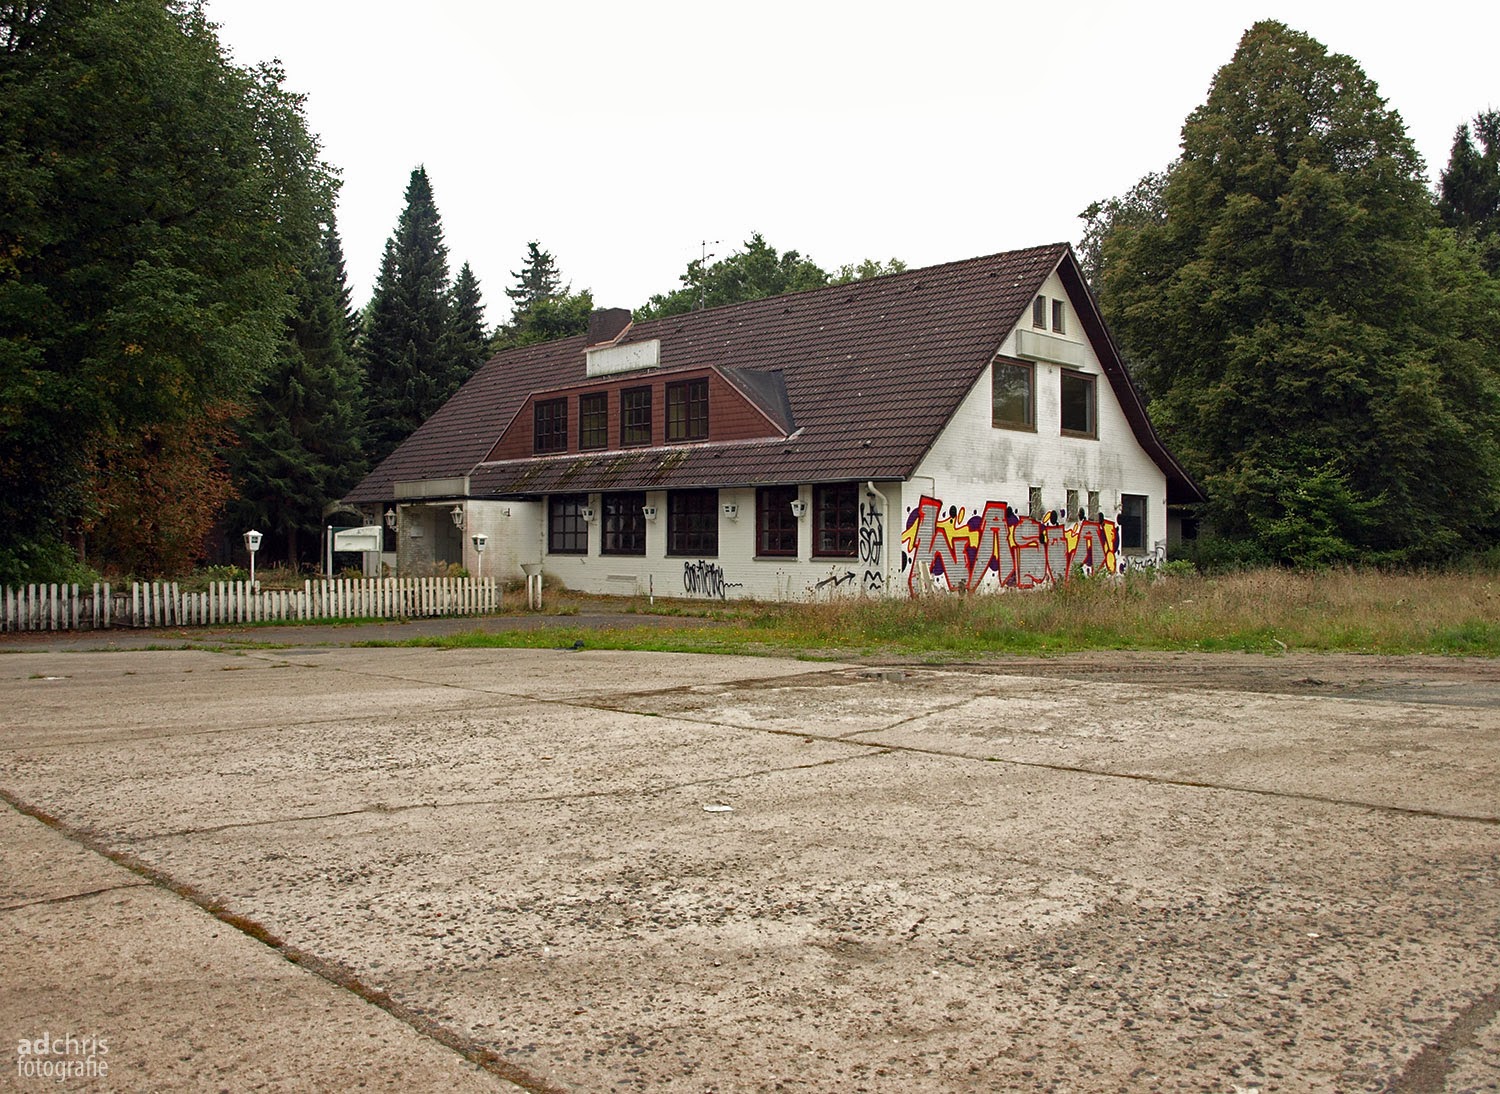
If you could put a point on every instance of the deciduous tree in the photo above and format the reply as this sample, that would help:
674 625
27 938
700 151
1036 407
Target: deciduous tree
754 272
155 201
1287 310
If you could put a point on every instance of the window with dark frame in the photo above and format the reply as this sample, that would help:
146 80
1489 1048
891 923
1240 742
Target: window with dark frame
551 426
1132 522
1059 319
775 523
624 523
1013 395
593 420
693 523
635 416
836 520
1039 313
1079 417
687 411
567 531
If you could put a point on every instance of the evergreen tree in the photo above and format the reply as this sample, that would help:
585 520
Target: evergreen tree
1286 312
1469 188
537 280
543 308
300 443
333 250
752 273
407 370
468 342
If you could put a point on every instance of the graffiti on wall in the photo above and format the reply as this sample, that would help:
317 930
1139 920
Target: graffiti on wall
871 547
705 578
1012 549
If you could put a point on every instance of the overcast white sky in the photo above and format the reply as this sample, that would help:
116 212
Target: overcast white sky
620 135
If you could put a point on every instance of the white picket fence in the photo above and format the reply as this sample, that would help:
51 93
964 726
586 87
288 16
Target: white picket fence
164 604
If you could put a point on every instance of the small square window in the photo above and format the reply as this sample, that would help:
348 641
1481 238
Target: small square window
775 523
1078 408
693 523
593 420
836 520
1059 318
635 416
567 532
1013 395
687 411
624 523
1039 313
551 426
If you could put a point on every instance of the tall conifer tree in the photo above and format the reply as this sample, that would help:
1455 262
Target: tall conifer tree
407 369
300 444
468 342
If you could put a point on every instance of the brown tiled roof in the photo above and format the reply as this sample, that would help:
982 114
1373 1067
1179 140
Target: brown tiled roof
873 371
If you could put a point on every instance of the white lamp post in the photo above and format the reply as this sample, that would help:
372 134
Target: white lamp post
480 541
252 544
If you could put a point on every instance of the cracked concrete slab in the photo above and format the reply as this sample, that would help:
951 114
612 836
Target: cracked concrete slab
908 884
157 995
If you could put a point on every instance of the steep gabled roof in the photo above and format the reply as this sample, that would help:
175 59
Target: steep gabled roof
872 372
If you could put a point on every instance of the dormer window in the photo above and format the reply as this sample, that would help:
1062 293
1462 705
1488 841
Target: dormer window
551 426
687 411
593 421
635 416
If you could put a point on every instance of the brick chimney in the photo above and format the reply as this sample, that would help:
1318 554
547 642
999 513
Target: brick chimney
607 324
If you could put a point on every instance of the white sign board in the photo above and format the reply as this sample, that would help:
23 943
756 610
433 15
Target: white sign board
368 538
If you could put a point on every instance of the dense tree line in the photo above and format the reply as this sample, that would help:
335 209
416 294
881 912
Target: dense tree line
1315 345
1312 326
156 202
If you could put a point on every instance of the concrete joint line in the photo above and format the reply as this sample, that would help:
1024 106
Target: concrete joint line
1428 1069
330 971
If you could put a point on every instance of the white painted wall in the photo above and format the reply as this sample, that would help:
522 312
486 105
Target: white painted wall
973 462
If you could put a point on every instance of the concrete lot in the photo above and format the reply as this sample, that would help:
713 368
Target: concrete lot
446 869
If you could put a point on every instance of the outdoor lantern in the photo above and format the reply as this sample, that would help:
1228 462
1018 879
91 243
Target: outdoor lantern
390 518
799 508
480 541
731 510
252 544
457 513
649 512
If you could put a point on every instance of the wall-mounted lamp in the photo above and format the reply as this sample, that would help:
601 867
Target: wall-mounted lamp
649 512
799 508
390 518
731 510
587 513
457 513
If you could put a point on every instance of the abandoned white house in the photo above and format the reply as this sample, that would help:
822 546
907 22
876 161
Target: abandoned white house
963 426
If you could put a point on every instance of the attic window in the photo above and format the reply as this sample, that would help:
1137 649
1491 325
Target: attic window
1039 313
635 416
1059 317
551 426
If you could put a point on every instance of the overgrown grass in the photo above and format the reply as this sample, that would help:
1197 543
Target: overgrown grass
1264 611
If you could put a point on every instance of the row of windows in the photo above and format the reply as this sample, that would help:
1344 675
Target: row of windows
687 418
1039 315
1013 399
693 522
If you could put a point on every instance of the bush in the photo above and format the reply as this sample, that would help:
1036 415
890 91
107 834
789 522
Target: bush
42 562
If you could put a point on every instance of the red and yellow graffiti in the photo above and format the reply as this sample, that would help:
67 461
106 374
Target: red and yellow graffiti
1021 551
